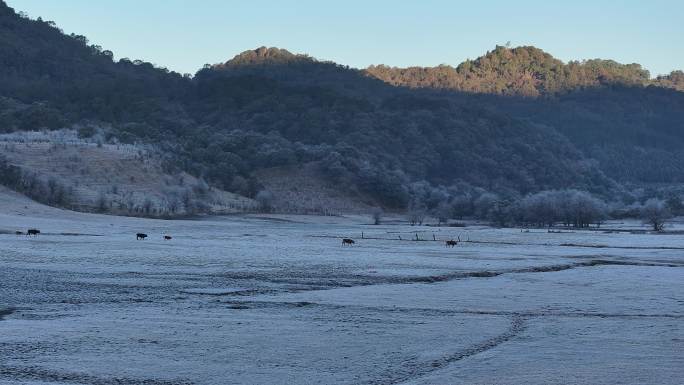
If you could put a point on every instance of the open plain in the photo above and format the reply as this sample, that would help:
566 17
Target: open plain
279 299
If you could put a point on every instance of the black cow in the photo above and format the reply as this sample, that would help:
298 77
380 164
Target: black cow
33 232
347 241
140 236
451 243
167 237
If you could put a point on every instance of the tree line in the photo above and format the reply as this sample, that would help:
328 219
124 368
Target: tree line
49 191
525 71
545 209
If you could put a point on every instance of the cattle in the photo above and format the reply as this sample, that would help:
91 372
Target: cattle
167 237
140 236
347 241
452 243
33 232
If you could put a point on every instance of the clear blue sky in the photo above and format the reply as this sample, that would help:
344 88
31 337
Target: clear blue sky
183 35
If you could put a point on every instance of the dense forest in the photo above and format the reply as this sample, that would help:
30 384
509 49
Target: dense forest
524 71
509 124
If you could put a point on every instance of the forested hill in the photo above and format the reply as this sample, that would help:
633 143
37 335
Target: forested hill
452 133
524 71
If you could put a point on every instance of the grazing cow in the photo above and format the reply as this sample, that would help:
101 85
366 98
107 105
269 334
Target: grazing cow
451 243
167 237
33 232
140 236
347 241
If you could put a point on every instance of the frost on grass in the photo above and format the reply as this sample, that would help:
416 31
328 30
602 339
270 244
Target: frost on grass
277 299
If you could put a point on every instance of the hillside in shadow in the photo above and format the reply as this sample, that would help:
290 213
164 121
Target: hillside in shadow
513 122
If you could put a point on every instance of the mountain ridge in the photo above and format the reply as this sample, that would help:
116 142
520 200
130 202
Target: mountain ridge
266 55
499 125
534 72
525 71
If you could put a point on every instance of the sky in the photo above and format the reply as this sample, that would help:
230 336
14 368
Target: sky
184 35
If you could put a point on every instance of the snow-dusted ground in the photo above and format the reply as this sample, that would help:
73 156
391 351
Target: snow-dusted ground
279 300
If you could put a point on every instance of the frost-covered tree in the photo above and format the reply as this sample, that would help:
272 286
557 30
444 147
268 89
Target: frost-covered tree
584 209
484 204
655 213
147 206
264 199
102 202
462 205
570 207
416 214
376 213
442 212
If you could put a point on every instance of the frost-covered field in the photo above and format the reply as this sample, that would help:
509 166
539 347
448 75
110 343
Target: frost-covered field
279 300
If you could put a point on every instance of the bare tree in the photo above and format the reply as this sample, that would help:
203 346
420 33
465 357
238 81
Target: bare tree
377 215
484 204
201 188
655 213
442 213
173 204
147 205
130 202
102 202
265 200
416 216
186 198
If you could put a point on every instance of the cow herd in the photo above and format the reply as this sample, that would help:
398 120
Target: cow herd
448 243
35 232
29 232
143 236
